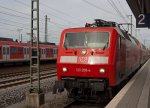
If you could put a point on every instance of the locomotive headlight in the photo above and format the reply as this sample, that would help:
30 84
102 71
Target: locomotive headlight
64 69
102 70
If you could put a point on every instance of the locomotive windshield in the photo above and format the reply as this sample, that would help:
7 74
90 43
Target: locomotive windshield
87 40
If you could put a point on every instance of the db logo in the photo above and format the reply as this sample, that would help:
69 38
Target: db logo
82 59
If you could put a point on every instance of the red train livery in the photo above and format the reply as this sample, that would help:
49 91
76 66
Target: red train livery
95 59
20 52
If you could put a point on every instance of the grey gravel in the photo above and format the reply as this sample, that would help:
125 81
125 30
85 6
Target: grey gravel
17 94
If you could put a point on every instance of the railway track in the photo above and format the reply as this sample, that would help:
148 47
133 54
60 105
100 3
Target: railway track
23 77
21 72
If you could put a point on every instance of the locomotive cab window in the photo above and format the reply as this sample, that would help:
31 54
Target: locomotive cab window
87 40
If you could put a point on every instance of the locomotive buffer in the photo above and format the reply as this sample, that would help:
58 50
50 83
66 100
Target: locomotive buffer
35 97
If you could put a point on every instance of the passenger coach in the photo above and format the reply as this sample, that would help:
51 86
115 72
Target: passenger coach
20 52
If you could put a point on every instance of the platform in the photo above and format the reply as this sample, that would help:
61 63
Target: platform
136 93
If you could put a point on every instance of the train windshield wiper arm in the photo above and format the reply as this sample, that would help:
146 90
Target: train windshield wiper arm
106 45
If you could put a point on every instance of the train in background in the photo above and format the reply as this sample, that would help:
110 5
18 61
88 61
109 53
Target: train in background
95 59
11 51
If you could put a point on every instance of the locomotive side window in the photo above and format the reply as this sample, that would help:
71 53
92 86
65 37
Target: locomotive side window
87 40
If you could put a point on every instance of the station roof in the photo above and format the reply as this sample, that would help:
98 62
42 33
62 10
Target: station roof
139 6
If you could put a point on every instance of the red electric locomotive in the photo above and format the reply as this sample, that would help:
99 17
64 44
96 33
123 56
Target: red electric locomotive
93 60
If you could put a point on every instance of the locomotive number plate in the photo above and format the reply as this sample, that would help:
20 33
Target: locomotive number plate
82 70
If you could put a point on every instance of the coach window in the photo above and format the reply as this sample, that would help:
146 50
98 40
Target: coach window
7 51
4 51
13 51
24 51
43 51
27 50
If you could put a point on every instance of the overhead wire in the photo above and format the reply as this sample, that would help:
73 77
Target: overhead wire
25 28
122 7
101 9
116 9
14 15
60 12
20 2
14 10
41 32
14 22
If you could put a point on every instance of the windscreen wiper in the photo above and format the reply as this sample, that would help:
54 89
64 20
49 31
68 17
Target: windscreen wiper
105 46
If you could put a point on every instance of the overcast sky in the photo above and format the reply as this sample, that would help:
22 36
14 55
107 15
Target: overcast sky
15 14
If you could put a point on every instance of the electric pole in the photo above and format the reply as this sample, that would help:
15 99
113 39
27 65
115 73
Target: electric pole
130 16
21 37
46 28
35 98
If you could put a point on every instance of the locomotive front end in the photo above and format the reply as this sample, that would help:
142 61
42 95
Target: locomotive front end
83 62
